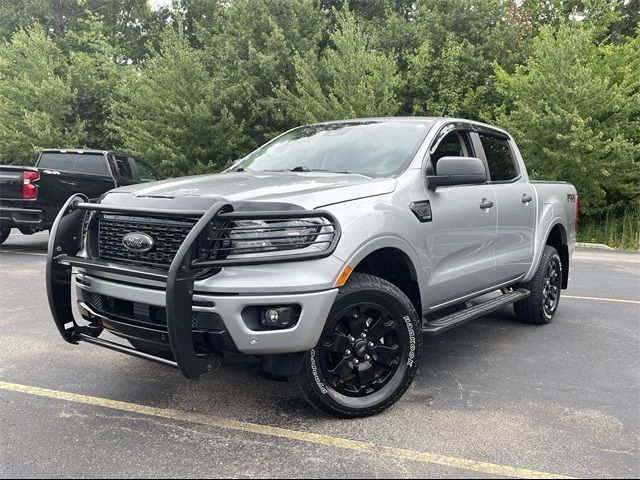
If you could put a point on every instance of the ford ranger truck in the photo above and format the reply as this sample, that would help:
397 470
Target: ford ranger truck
327 253
31 197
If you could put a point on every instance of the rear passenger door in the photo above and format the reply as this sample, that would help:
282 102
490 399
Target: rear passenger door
515 206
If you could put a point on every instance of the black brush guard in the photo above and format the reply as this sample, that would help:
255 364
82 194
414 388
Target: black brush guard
66 240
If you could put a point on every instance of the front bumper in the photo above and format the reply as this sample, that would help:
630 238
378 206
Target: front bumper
176 295
234 311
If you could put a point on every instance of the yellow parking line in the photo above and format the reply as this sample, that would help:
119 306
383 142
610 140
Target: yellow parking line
314 438
602 299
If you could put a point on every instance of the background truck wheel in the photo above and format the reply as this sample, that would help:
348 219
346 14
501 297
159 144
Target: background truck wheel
540 307
4 234
368 353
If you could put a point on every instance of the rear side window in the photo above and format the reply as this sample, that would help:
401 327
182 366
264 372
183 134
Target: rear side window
501 163
123 166
94 164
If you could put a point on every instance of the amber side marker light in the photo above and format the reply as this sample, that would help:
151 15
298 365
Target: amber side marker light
344 276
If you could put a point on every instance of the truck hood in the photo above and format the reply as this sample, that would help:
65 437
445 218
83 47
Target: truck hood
305 189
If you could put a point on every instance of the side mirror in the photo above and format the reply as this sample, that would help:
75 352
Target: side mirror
458 171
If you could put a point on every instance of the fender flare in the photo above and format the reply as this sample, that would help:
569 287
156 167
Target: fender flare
539 245
403 246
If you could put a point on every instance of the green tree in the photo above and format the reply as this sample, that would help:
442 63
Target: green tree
36 98
350 80
443 84
170 111
56 16
94 76
574 109
126 25
449 71
254 45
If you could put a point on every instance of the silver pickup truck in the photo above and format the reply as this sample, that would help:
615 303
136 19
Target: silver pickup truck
327 253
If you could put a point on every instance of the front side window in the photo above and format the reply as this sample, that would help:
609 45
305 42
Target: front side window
376 148
123 167
145 172
452 145
501 163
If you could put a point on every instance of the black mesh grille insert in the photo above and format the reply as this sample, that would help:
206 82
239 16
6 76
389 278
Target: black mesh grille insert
168 235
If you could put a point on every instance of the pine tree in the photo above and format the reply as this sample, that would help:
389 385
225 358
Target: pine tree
170 111
573 119
350 80
36 98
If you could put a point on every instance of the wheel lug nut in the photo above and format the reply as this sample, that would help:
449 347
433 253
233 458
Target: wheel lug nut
352 339
371 345
364 335
367 357
347 353
356 362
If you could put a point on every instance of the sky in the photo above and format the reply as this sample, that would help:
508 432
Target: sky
155 4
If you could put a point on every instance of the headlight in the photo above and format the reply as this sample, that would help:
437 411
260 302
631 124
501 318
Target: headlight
258 236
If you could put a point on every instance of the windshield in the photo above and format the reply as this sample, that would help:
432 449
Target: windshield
373 148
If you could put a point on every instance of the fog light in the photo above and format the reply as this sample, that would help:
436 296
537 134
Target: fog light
279 317
271 317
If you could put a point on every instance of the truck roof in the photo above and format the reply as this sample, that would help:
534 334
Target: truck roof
90 151
410 119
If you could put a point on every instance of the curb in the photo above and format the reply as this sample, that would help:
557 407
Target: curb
594 246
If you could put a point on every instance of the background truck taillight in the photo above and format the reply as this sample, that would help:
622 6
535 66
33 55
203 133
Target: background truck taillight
29 190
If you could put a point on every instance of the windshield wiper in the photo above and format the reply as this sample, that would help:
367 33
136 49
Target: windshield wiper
307 169
302 168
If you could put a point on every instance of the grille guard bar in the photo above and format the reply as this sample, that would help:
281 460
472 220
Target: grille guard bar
65 241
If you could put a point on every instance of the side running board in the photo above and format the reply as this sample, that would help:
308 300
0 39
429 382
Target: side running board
455 319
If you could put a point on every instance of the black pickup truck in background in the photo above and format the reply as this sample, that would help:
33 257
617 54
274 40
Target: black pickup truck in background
31 197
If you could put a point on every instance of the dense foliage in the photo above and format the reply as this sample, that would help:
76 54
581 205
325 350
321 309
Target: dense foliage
196 84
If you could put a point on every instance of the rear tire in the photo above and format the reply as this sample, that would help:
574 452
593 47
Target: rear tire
368 353
545 286
4 234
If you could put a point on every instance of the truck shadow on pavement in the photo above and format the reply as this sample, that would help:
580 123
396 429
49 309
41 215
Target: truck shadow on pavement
238 389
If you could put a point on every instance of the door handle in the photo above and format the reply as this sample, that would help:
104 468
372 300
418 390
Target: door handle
526 198
486 204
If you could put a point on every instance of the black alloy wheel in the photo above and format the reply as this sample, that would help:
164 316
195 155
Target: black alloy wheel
551 286
540 307
368 353
362 349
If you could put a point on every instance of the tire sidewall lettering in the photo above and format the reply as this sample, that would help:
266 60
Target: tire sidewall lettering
315 373
412 341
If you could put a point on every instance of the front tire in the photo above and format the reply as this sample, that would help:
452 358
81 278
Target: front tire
540 307
368 353
4 234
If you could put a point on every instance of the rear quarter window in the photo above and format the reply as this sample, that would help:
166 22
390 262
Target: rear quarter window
90 163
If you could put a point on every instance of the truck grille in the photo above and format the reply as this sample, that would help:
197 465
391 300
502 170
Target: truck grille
168 235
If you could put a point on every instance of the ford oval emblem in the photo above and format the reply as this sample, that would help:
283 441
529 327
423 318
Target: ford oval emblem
138 242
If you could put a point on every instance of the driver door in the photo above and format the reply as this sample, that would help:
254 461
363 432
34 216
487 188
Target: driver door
461 237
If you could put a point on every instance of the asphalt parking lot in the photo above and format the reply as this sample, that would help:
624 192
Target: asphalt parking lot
493 398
